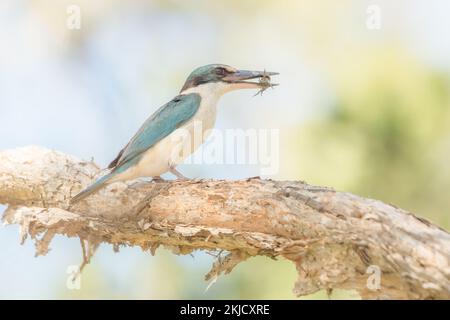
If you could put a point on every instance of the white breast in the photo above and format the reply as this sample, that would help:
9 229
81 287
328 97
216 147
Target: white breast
178 145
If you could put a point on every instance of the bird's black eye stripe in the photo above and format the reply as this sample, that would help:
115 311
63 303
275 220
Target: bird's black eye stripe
221 71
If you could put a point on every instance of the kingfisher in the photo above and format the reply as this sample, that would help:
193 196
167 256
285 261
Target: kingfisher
155 148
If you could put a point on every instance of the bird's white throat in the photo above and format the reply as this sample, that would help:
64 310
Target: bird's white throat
209 91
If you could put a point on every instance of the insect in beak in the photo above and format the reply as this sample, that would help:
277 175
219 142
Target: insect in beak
264 83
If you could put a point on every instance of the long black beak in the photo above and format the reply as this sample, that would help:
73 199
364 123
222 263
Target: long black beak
241 75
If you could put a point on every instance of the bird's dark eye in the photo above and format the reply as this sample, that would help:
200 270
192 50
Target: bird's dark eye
221 71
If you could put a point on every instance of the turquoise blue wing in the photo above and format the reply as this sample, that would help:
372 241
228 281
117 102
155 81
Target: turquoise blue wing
164 121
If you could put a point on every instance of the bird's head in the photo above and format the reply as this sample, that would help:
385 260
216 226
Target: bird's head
223 78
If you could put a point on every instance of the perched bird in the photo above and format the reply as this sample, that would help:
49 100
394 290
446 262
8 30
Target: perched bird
155 148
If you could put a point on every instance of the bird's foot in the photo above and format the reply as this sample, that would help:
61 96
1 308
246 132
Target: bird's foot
146 181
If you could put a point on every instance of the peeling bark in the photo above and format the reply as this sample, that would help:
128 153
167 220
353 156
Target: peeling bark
333 238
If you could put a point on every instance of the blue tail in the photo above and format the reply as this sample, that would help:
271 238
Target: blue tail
97 185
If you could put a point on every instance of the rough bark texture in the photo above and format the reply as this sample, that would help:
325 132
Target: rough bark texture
333 238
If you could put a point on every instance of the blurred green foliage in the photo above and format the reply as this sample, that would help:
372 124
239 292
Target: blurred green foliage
385 135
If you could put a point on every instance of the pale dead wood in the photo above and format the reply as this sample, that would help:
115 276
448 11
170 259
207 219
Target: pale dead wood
332 237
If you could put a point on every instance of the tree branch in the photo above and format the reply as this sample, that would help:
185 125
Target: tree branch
334 238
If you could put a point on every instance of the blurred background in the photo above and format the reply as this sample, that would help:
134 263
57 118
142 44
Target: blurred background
363 106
